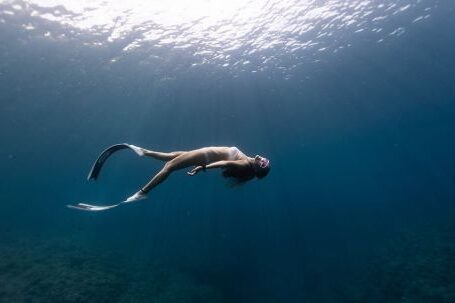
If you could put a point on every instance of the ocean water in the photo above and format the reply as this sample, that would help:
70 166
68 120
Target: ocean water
352 101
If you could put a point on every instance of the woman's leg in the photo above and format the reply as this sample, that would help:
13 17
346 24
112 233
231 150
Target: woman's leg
157 155
185 159
162 156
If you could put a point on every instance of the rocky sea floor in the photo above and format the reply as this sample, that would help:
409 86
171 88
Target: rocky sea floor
34 270
413 267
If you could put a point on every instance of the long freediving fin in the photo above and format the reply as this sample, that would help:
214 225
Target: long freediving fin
96 167
90 207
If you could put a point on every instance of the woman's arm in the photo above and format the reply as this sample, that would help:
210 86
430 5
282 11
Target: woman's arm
218 164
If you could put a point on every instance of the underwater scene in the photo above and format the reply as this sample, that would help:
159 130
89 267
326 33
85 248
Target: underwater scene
351 101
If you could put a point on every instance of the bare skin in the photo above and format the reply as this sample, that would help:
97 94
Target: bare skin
235 163
203 158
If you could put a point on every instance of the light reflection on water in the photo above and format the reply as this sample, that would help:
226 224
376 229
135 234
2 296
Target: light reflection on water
237 35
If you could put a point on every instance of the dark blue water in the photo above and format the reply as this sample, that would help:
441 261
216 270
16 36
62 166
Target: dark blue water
353 102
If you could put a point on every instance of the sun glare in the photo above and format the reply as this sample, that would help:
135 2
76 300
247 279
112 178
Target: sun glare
236 33
134 12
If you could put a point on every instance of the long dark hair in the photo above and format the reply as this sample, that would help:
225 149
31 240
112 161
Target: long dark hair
239 175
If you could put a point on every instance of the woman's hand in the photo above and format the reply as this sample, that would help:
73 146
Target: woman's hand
195 170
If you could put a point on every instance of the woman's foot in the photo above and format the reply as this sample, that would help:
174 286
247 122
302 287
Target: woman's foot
140 195
138 150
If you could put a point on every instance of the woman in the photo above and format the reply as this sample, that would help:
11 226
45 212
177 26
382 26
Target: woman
231 160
